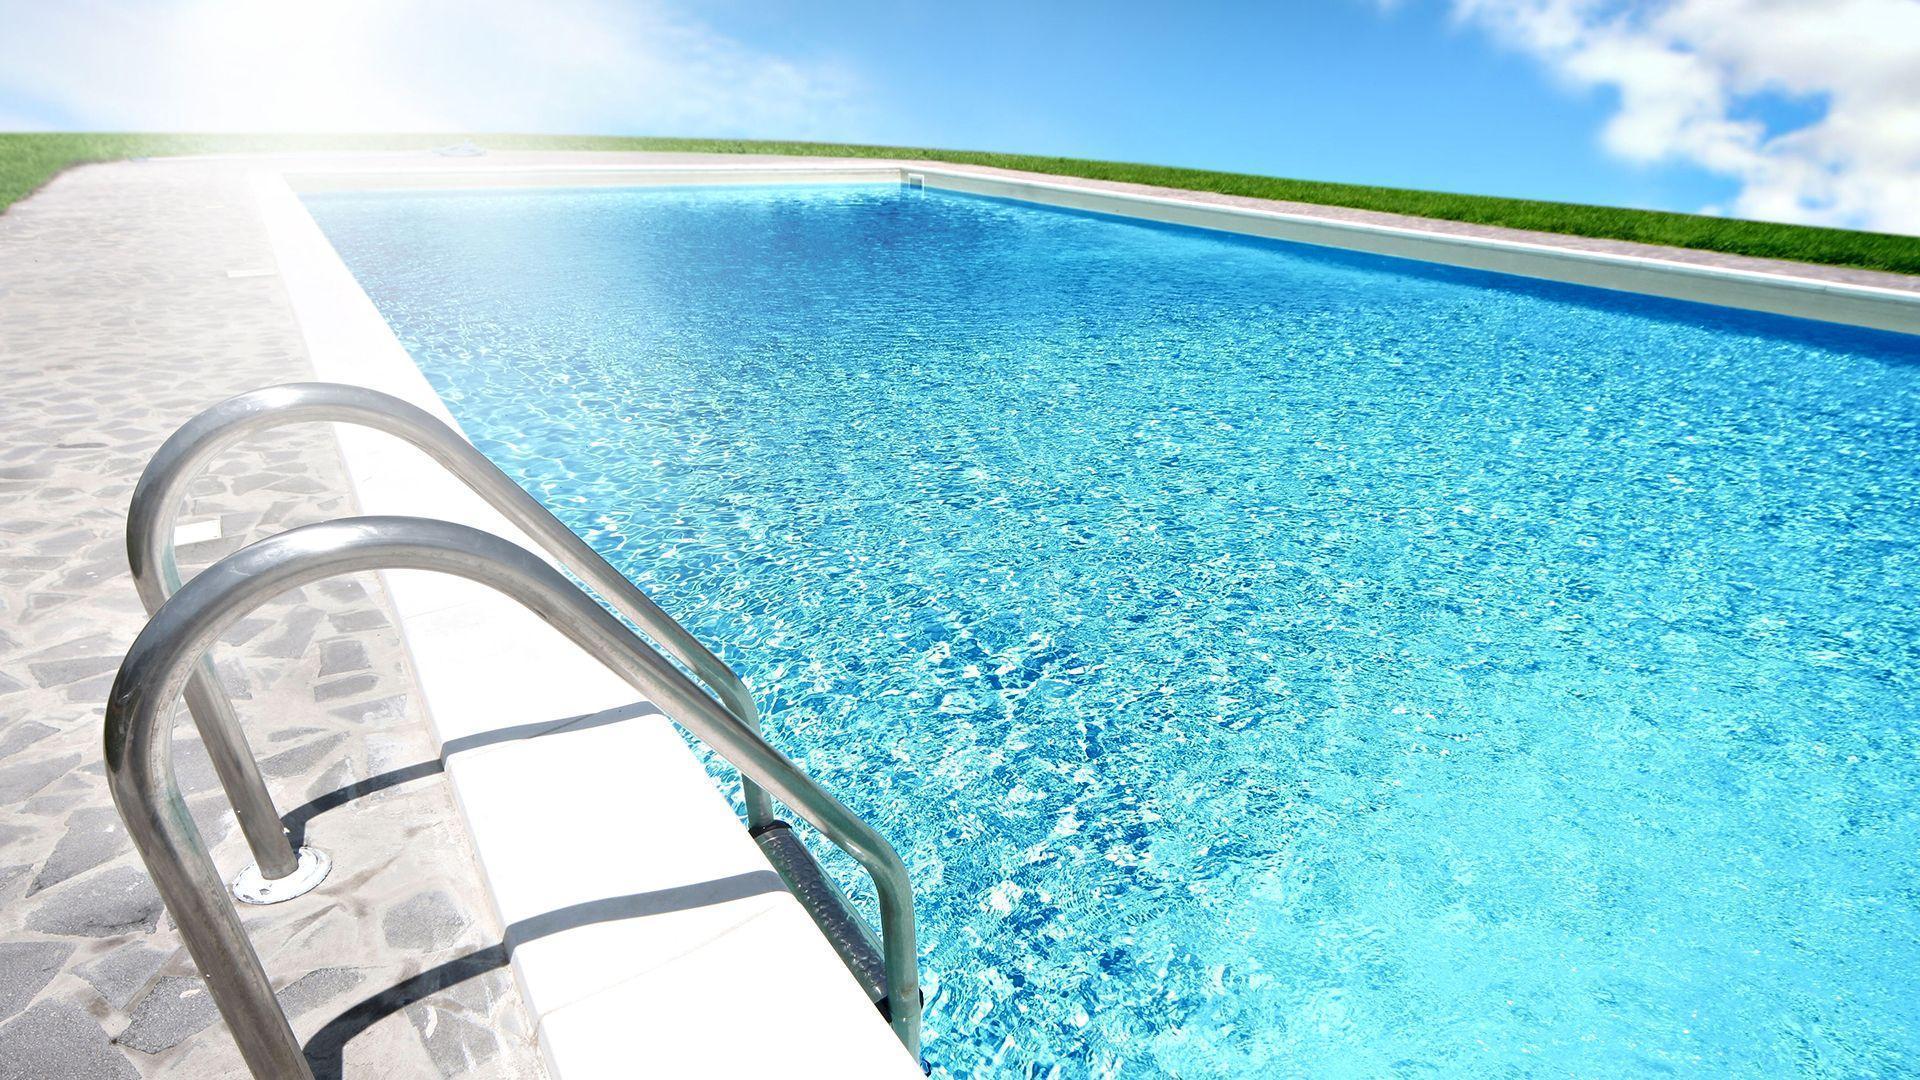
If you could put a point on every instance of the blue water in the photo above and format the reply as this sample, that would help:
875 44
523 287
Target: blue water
1270 661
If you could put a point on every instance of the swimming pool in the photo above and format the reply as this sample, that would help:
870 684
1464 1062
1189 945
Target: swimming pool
1268 659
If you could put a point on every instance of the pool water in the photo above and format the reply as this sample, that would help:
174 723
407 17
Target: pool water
1269 660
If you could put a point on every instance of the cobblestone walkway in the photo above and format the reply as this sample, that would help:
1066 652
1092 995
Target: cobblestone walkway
131 296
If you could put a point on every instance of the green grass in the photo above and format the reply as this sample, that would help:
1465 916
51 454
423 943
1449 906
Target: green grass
27 161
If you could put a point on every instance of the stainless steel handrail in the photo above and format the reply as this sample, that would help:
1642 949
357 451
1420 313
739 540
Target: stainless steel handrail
139 744
157 500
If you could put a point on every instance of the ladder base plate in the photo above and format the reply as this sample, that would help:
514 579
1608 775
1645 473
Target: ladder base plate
252 888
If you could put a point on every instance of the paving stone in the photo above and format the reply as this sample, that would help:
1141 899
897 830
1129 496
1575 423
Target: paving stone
117 322
245 630
428 922
41 603
62 672
175 1007
343 588
64 543
368 619
233 677
342 655
92 573
25 968
213 816
377 710
22 735
94 835
90 690
120 975
296 632
119 900
56 1039
53 805
454 1041
337 776
301 485
253 482
208 552
92 643
19 782
351 686
303 757
192 767
239 524
316 988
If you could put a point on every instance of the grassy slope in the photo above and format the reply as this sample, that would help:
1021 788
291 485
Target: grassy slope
27 161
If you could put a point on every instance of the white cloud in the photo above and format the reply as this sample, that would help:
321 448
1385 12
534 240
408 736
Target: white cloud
592 66
1687 71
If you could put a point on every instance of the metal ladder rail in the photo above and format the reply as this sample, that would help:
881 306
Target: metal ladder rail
139 744
159 495
280 873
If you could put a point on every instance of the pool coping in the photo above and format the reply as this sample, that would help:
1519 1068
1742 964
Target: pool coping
1790 289
663 950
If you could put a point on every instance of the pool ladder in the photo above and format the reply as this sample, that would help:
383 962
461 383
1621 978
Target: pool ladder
170 656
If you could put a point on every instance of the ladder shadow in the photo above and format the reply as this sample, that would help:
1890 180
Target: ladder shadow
326 1050
297 819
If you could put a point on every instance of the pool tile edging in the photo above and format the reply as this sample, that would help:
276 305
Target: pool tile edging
1867 306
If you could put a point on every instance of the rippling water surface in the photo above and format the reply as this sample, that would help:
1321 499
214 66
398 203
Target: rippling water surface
1268 660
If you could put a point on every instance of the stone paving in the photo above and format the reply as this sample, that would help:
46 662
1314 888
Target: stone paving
131 296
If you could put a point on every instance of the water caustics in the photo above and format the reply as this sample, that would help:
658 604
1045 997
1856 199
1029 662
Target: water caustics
1268 660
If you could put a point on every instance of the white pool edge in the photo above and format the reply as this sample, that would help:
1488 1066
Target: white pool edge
1774 293
591 812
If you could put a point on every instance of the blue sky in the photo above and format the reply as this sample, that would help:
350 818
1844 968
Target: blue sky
1404 97
1778 109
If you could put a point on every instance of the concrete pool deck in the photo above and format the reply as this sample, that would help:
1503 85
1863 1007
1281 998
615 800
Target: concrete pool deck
132 295
130 298
531 899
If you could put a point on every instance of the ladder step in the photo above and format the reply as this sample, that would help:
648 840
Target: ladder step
843 927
